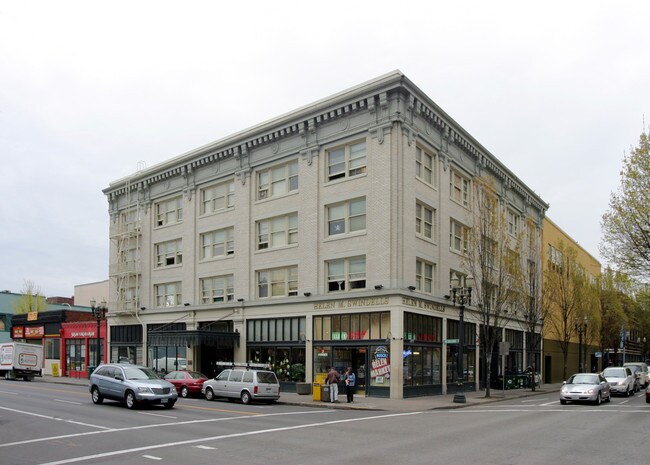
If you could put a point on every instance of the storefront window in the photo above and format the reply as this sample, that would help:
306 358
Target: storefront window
353 326
169 358
288 363
75 354
380 366
421 365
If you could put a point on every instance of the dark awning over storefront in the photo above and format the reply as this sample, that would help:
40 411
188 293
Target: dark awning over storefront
192 337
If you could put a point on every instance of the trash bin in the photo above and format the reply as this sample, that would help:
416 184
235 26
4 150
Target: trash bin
325 392
90 371
316 391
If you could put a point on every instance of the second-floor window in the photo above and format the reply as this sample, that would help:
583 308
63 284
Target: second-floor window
277 180
217 198
424 276
425 218
277 232
169 253
168 294
458 236
169 212
217 289
215 244
277 282
346 161
347 274
346 217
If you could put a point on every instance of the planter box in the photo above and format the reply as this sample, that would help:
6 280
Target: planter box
303 388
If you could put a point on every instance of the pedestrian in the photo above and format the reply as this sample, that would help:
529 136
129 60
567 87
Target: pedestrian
332 380
349 384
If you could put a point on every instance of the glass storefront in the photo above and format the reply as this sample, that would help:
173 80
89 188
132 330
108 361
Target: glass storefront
469 352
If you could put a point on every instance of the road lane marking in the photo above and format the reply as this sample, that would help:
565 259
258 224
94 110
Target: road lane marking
174 424
225 436
67 402
157 415
9 392
205 447
47 417
152 457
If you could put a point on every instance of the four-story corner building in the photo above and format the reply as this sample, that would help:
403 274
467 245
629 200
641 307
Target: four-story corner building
325 237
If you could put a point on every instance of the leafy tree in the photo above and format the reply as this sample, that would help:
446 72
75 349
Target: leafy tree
626 226
31 299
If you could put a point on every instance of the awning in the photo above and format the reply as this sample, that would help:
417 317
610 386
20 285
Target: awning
194 337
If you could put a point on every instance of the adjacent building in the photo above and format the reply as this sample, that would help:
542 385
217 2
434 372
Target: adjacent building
327 236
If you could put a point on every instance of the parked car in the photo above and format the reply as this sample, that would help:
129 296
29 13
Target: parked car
636 372
621 380
585 387
132 384
245 383
647 395
186 382
644 375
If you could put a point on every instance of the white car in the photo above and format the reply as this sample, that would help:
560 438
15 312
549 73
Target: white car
642 372
620 379
242 382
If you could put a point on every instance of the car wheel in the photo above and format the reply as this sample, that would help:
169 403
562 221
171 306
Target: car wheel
170 404
609 397
630 392
209 394
562 401
598 399
184 391
129 400
96 395
246 397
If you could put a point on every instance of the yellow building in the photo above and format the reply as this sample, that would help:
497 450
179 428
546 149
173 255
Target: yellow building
580 333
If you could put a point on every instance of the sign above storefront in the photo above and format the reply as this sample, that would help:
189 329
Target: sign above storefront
423 304
351 303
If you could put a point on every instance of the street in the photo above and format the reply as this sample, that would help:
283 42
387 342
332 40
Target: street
45 423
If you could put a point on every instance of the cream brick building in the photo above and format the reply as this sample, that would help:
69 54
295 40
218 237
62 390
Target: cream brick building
324 237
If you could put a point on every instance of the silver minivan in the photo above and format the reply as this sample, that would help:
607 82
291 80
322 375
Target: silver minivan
245 383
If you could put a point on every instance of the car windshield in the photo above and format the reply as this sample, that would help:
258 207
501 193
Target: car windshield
614 373
583 379
140 373
196 375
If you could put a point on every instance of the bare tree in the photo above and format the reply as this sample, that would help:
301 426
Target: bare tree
493 258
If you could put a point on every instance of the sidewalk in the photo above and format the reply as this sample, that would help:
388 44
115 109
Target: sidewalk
413 404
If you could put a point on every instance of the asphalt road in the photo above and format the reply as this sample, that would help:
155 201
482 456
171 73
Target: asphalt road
59 424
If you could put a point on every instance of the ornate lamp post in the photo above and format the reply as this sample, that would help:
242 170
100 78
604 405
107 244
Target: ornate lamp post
462 296
581 328
99 312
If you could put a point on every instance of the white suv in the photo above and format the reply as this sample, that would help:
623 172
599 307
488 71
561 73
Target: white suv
243 382
643 375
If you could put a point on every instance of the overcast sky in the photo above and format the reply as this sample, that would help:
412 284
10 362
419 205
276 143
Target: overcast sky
556 90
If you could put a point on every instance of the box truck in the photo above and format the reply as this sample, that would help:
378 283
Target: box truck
20 360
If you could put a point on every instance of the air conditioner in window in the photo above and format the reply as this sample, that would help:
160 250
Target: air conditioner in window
263 194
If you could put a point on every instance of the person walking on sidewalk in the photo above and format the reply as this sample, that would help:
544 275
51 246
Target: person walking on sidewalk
350 380
333 380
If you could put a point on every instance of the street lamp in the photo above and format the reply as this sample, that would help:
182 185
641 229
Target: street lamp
581 327
462 296
99 312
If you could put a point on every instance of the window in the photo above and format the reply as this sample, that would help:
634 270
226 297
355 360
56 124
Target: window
278 282
169 212
169 253
277 232
168 294
217 289
217 244
513 223
217 198
459 188
425 218
426 167
424 276
346 217
277 180
130 221
346 161
458 237
346 274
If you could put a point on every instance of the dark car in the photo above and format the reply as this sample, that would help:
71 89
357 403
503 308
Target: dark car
186 382
132 384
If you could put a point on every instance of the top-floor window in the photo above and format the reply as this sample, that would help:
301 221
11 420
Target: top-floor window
513 223
349 160
459 188
426 167
277 180
217 198
169 211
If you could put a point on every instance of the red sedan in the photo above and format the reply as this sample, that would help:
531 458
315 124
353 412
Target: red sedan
186 382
